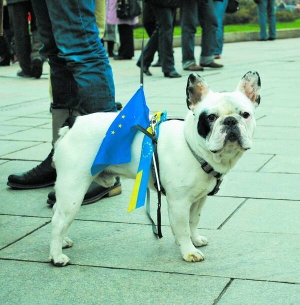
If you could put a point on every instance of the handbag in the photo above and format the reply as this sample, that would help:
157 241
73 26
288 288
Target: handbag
128 9
232 7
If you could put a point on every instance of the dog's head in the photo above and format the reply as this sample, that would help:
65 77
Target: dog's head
224 121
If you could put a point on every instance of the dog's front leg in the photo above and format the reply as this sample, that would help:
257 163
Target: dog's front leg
179 214
195 213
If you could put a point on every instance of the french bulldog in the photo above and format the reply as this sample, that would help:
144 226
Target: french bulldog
194 156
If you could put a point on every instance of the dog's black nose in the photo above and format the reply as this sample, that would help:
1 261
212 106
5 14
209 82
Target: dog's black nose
230 121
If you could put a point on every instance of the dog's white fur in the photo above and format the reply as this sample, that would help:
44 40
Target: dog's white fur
185 182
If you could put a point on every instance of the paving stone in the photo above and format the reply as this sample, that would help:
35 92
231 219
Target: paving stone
261 185
282 164
36 284
39 151
231 254
273 216
260 293
13 228
7 147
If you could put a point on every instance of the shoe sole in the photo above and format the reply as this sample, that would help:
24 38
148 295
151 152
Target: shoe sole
109 192
29 187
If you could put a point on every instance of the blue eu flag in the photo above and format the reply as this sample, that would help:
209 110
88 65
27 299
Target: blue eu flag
116 146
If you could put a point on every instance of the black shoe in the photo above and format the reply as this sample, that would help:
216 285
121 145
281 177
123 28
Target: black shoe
146 71
21 73
36 67
40 176
271 38
212 65
119 106
157 64
120 57
172 74
94 193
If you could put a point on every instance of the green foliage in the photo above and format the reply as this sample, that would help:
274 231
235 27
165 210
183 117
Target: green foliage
248 14
287 16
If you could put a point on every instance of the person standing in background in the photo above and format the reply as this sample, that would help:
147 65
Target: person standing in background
220 8
125 29
266 14
27 50
194 13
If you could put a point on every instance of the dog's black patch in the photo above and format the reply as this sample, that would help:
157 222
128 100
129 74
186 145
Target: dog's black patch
204 126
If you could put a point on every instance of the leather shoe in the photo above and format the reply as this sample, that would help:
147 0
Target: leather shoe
94 193
212 65
21 73
119 105
157 64
120 57
146 71
194 67
40 176
172 74
36 67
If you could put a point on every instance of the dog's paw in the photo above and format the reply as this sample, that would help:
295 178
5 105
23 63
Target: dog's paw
194 256
199 241
60 261
67 243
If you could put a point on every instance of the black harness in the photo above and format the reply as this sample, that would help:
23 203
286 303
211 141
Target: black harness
157 183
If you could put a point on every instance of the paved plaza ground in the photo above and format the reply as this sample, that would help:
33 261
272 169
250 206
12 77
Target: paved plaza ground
253 223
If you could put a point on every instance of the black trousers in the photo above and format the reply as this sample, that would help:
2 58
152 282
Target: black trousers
126 48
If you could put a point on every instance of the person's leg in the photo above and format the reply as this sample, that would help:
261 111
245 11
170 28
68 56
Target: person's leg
18 13
188 30
271 19
81 76
262 19
126 48
76 55
37 60
165 19
208 22
220 8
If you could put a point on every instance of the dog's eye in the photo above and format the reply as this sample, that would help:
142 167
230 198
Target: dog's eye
212 117
245 115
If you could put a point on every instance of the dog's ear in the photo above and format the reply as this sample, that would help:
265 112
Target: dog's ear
196 90
250 85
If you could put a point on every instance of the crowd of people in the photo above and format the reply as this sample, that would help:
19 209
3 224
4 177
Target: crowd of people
77 39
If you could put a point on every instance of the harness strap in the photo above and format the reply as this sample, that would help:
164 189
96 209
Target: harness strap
155 173
209 170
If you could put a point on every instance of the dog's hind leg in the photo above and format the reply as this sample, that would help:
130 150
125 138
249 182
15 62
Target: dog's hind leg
195 213
69 199
179 215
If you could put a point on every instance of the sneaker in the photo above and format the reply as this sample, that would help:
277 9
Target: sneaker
94 193
40 176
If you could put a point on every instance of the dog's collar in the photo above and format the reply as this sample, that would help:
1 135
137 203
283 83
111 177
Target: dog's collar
209 170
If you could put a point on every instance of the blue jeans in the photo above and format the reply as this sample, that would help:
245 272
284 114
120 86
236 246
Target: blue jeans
194 13
220 8
266 10
81 75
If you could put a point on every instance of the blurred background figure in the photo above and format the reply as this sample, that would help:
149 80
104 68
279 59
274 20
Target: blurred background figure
26 40
125 29
266 15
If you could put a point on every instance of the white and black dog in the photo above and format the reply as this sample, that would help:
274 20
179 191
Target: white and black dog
194 155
